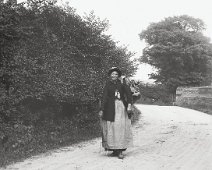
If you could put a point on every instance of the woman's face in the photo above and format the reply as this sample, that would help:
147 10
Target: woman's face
114 75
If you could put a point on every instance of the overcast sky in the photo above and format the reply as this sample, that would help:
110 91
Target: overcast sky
128 18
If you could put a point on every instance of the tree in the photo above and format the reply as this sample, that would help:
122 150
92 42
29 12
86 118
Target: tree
180 52
50 52
53 64
11 35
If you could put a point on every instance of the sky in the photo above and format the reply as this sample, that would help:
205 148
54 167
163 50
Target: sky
127 18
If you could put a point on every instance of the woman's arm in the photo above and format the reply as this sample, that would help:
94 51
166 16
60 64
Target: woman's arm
129 98
128 94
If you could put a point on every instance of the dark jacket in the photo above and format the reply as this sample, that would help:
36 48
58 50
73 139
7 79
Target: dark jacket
108 98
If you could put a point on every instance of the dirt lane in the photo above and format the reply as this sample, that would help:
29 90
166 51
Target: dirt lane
166 138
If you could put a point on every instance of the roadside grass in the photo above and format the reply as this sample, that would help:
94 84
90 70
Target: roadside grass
136 115
200 108
45 137
25 142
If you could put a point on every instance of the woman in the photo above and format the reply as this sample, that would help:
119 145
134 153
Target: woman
116 126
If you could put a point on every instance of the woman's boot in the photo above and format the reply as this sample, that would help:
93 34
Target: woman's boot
120 155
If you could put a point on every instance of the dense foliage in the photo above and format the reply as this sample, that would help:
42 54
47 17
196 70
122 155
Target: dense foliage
179 51
53 64
51 53
156 94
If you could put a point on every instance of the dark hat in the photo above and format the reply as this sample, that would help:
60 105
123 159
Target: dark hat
114 69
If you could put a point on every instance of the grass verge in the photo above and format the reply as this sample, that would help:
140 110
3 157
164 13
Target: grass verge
25 142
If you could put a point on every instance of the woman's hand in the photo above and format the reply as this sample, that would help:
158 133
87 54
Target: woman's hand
129 111
129 108
100 113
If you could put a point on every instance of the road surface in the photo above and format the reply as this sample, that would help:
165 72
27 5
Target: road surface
165 138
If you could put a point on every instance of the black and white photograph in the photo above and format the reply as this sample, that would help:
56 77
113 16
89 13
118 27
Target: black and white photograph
105 85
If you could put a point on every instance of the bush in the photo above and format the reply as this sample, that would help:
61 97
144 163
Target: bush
52 61
51 55
19 141
154 94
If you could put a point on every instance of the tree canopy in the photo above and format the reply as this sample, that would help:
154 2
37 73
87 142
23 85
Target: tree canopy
50 51
180 52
